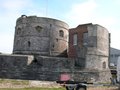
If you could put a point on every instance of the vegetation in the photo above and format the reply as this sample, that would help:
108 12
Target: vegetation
14 82
102 88
34 89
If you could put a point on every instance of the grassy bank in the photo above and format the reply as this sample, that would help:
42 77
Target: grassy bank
12 84
103 88
33 89
93 88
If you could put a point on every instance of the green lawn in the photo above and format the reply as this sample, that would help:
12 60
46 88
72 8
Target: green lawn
33 89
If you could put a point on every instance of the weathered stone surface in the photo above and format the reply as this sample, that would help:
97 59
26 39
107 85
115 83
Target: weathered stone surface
41 68
42 38
92 75
38 35
45 68
13 65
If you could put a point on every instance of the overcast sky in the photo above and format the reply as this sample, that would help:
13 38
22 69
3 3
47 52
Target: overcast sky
73 12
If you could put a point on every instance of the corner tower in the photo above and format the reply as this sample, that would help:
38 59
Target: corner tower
90 44
40 36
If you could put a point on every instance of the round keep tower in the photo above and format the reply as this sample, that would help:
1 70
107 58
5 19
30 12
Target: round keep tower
40 36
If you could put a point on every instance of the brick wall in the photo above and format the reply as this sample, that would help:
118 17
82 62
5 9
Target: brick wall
72 52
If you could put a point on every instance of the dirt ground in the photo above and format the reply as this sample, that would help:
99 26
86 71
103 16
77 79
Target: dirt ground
103 88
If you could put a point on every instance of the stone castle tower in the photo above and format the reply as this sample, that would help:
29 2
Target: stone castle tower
40 44
40 36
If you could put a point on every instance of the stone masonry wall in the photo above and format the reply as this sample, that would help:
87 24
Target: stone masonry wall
92 75
41 68
40 35
98 50
44 68
11 66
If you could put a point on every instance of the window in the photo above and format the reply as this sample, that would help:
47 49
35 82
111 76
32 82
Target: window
29 43
56 39
85 39
38 28
53 46
18 30
75 39
104 65
61 33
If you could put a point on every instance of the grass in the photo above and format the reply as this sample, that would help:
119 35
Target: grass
21 84
54 89
14 82
33 89
103 88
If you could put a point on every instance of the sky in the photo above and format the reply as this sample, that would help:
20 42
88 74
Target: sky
73 12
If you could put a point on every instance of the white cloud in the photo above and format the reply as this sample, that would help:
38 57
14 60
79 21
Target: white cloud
106 22
86 12
115 39
81 12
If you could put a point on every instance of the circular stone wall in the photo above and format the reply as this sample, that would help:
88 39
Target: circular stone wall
39 35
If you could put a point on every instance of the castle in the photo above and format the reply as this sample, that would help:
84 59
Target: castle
45 48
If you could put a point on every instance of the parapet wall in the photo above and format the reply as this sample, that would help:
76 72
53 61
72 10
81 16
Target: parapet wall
28 68
46 68
11 66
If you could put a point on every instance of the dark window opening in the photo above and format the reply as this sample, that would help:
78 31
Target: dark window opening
61 33
35 60
85 39
38 28
75 39
29 43
50 25
57 39
104 65
18 30
53 46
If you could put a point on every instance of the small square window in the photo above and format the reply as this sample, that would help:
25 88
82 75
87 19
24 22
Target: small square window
18 30
38 28
61 33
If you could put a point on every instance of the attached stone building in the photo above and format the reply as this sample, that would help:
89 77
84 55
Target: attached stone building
89 43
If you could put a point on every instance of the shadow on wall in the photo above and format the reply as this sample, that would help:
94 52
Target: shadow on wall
63 54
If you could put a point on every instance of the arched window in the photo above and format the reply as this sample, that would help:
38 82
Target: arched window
104 65
38 28
61 33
